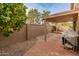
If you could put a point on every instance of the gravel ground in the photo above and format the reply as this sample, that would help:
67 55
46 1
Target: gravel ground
17 49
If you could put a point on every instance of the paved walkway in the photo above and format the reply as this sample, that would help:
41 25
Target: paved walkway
53 47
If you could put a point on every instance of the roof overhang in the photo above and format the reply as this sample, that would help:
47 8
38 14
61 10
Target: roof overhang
62 17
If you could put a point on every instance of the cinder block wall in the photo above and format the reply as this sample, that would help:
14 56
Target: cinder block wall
28 32
17 36
49 28
35 30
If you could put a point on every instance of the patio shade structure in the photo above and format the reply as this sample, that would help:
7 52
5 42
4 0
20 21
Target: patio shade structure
62 17
67 16
72 15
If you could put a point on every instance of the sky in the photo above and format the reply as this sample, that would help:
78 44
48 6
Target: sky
52 7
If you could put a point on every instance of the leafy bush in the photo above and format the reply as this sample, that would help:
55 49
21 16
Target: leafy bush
12 17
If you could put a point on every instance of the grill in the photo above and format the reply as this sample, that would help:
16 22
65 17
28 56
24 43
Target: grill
71 38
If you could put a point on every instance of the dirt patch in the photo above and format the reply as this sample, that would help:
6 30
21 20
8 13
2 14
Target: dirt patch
17 49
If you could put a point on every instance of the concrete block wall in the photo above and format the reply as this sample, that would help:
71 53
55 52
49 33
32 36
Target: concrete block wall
17 36
28 32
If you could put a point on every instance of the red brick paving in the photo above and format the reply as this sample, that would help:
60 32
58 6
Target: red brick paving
53 47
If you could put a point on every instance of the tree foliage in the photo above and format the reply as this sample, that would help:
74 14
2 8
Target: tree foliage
12 17
45 13
35 16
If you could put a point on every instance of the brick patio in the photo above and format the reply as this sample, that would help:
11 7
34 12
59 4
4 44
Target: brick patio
53 47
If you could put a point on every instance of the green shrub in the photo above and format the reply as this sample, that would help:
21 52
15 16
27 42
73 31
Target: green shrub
12 17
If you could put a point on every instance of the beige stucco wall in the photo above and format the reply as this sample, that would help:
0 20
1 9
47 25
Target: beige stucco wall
77 26
77 23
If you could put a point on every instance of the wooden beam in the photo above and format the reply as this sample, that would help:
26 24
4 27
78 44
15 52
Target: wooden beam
66 18
61 14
